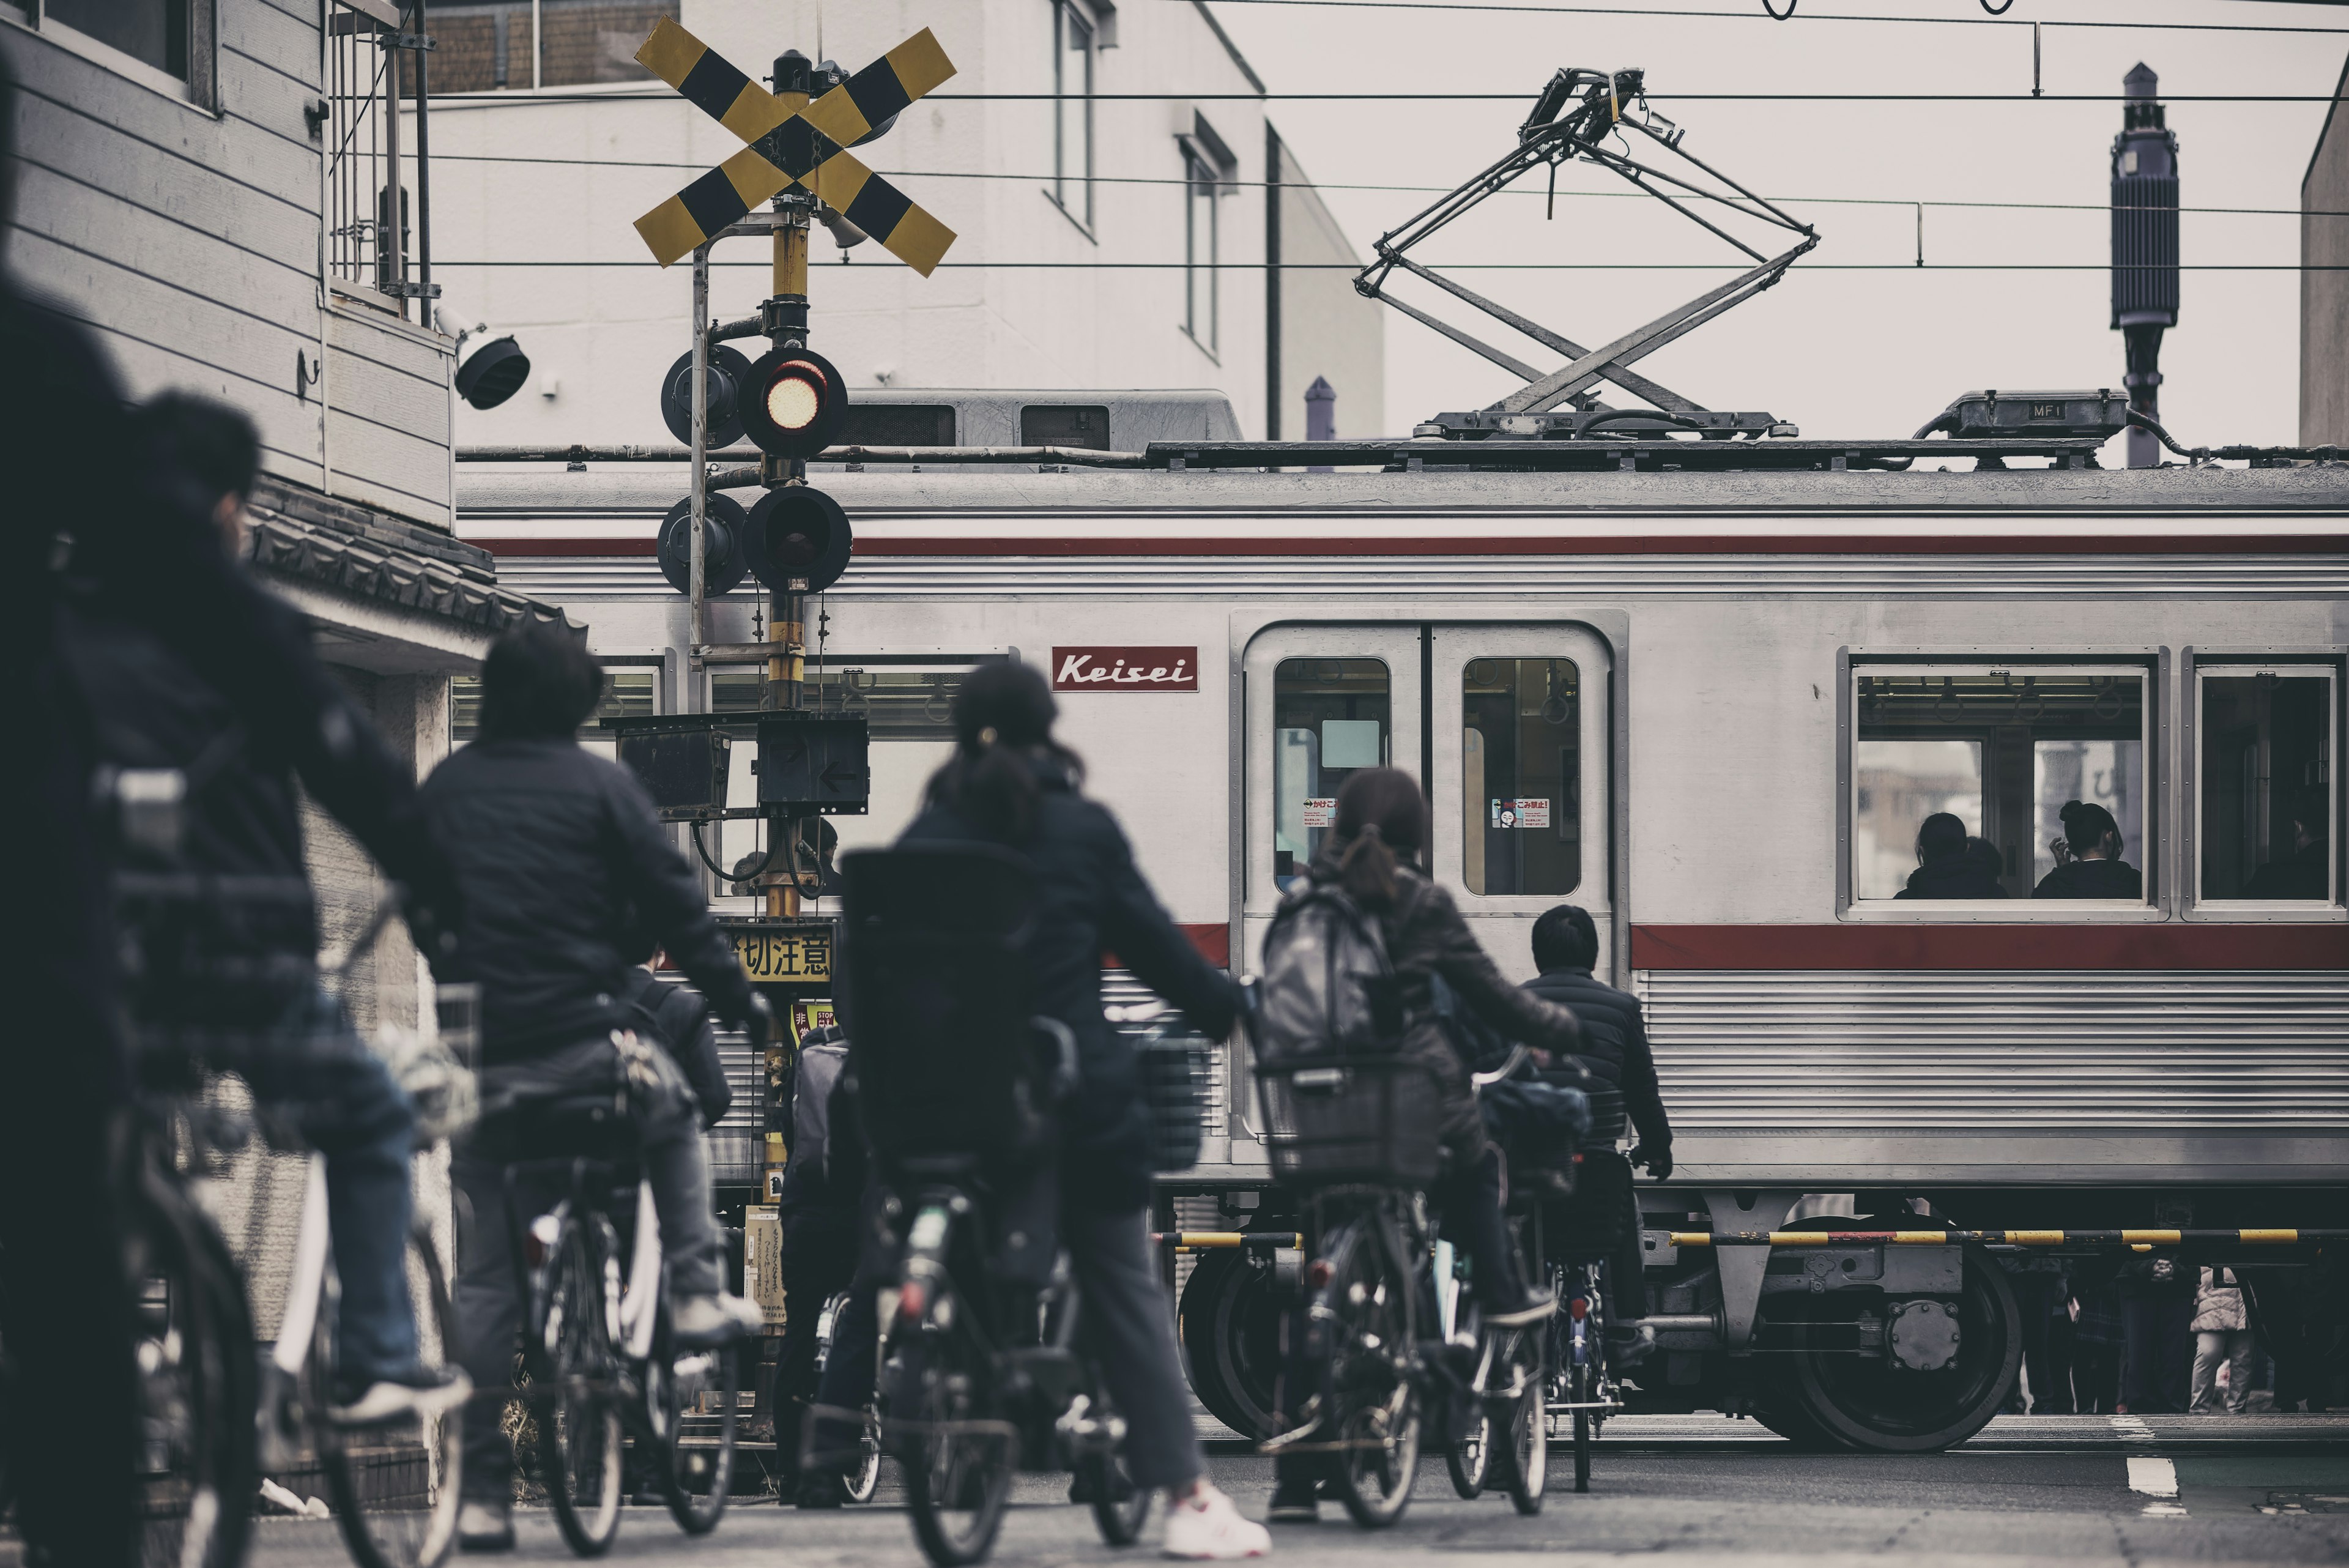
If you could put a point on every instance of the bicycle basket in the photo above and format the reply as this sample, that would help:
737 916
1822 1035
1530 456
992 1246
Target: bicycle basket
1368 1119
1174 1082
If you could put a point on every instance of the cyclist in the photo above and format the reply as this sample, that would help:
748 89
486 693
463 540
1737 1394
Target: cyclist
1010 783
1381 829
567 874
258 997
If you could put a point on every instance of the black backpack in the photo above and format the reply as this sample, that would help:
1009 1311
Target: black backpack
1326 987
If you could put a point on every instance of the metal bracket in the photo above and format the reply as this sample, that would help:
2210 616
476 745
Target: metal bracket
1743 1266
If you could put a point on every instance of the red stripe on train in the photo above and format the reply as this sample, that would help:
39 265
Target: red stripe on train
1856 946
1214 942
1620 545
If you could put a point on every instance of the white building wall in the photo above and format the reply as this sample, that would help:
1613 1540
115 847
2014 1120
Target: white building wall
600 335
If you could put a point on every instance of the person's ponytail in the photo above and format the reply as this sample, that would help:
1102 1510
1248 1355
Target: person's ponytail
1367 871
1003 735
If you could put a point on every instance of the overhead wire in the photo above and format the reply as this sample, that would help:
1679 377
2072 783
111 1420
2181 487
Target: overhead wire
1645 13
521 98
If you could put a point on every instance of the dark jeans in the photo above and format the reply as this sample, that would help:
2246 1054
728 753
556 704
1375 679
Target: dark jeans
2046 1341
819 1258
489 1295
1468 1200
2096 1376
1123 1328
349 1109
2156 1353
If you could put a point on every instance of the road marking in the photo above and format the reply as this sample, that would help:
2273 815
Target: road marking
2150 1474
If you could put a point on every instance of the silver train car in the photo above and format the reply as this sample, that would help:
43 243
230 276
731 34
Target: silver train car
1714 708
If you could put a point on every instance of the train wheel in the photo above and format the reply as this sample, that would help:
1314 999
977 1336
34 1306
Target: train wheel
1231 1336
1869 1405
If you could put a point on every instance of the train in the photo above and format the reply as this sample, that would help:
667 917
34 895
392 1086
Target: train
1710 691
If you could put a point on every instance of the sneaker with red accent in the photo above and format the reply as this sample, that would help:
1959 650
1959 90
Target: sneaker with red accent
1205 1527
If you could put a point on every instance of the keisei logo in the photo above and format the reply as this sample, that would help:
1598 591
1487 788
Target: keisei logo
1125 669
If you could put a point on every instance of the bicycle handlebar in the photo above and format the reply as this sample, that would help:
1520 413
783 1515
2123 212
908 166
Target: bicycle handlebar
1517 1054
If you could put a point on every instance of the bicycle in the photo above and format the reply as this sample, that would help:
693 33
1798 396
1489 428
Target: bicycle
1582 1388
215 1417
858 1483
599 1349
1506 1437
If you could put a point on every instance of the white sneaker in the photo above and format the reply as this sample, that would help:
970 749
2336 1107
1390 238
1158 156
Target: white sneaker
1207 1527
703 1322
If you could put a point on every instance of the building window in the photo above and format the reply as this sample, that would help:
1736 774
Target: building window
1199 301
172 38
488 46
630 690
1521 776
1962 775
377 188
1072 111
2264 782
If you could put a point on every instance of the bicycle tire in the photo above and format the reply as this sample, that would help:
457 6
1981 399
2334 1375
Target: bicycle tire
681 1463
579 1421
957 1482
1469 1456
860 1484
1119 1506
199 1386
1525 1457
394 1495
1373 1399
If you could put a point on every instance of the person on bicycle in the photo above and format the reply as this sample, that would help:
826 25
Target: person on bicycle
1372 853
255 992
675 1018
567 876
1010 783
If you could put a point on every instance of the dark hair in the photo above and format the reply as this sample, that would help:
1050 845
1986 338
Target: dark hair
2085 825
1003 733
1941 834
1380 811
1564 938
539 683
1987 855
213 444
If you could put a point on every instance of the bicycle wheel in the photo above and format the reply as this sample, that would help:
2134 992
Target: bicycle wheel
1372 1396
698 1399
394 1486
199 1383
1469 1456
957 1461
579 1425
859 1484
1526 1451
1119 1506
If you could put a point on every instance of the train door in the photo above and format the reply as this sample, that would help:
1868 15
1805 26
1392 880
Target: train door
1509 724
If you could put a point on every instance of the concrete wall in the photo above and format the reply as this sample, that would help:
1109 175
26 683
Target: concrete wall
1326 329
187 235
2324 293
600 335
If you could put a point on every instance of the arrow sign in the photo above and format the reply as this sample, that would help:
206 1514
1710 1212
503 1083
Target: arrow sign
794 141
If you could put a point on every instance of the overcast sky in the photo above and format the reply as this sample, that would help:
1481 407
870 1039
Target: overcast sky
1843 353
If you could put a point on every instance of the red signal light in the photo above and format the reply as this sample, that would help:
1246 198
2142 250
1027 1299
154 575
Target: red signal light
1317 1273
795 403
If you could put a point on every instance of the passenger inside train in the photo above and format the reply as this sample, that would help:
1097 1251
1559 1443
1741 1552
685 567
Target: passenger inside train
2303 873
1950 864
2088 863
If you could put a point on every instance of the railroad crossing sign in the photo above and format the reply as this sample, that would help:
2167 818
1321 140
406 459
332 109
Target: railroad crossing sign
794 141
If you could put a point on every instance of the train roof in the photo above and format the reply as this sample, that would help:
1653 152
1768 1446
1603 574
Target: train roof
547 509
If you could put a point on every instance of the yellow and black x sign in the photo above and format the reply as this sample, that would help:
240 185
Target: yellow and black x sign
794 141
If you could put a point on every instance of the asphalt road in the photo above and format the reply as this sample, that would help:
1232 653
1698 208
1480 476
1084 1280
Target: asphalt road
2058 1489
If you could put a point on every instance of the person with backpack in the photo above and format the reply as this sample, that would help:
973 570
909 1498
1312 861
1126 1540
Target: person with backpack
1009 783
675 1018
1367 871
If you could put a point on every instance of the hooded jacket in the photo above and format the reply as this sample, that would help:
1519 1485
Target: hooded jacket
1091 899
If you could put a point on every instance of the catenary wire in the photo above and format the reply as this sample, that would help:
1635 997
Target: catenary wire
1495 5
1490 267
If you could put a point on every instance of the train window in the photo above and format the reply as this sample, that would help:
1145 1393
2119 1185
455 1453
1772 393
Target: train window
629 691
1961 778
1520 775
1329 716
2265 784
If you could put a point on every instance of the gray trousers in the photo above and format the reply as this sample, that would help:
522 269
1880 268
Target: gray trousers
2211 1346
489 1294
1125 1328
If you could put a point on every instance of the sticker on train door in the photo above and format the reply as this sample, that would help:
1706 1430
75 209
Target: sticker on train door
1321 813
1523 813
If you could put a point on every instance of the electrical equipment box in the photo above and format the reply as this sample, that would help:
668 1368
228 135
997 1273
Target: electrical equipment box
815 763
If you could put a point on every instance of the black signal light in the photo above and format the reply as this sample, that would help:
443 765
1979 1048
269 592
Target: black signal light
724 527
798 540
793 403
726 371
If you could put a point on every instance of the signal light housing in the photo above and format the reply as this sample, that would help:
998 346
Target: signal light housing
724 561
728 372
798 540
793 402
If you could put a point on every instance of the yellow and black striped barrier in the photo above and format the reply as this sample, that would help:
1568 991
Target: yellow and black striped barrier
2253 1238
794 141
1214 1241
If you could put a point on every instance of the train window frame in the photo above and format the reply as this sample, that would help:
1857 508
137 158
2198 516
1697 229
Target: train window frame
2331 660
2153 665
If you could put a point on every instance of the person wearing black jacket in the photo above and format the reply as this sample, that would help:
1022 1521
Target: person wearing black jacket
1949 863
1615 1052
2088 863
567 875
1010 783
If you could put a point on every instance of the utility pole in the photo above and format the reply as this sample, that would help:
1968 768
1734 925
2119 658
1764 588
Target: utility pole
2144 249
